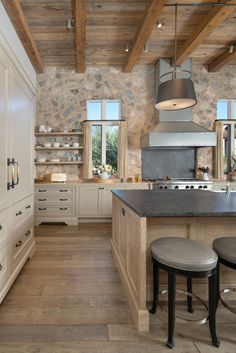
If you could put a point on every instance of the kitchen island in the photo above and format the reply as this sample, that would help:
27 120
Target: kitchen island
141 216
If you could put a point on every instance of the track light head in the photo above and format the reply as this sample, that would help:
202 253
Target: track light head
70 23
159 24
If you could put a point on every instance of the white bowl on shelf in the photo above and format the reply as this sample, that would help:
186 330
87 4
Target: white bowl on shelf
66 145
41 160
56 144
47 145
54 160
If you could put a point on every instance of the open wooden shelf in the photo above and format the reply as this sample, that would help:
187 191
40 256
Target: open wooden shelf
58 148
58 163
47 134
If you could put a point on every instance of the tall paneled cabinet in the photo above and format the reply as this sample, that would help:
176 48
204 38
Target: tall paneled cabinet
17 113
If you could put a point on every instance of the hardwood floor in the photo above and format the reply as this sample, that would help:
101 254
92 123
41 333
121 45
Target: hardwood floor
69 299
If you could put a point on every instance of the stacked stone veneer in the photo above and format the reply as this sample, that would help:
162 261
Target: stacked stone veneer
62 96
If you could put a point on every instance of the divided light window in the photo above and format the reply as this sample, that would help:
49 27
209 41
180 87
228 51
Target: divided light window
104 115
104 109
226 109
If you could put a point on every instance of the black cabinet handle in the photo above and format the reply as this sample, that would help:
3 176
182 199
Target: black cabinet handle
63 208
42 199
19 243
0 227
27 233
63 190
42 208
27 207
42 190
0 267
101 188
63 199
19 213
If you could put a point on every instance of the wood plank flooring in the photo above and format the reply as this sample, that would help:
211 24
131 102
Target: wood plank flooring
69 299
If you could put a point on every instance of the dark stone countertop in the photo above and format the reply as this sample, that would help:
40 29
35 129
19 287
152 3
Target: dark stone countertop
181 203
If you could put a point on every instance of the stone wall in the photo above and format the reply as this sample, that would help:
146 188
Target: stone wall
62 95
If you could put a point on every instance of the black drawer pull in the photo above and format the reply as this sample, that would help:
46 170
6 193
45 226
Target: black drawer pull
19 243
64 190
63 208
42 190
19 213
42 199
27 233
0 227
0 267
27 207
101 188
123 211
63 199
42 208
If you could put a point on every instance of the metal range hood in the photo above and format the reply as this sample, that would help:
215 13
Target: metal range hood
175 128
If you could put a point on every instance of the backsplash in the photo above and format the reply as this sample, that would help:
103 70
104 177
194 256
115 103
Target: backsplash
62 96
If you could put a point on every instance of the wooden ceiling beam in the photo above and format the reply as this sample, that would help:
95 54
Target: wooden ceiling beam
17 17
151 17
222 59
212 20
80 34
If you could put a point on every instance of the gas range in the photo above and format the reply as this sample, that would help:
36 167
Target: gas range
182 184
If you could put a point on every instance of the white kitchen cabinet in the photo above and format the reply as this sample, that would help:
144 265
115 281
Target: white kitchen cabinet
3 128
20 139
89 202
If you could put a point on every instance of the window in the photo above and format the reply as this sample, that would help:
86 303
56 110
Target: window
104 109
104 115
226 109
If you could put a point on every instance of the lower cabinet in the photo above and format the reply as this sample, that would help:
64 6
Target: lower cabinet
89 201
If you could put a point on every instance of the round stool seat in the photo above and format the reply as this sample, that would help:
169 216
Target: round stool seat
225 247
183 254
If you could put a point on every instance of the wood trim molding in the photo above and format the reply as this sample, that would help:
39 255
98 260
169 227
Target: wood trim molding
80 34
17 17
222 60
152 15
212 20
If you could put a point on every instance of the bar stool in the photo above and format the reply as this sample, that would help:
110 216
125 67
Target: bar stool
191 259
225 247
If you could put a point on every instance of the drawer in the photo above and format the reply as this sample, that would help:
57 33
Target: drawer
20 241
60 200
4 266
54 190
55 211
3 228
22 211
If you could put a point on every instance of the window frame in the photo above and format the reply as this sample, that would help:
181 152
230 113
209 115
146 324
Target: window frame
231 108
103 109
104 124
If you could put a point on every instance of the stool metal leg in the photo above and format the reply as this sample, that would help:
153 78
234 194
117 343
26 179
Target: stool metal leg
217 284
156 284
171 309
189 298
212 298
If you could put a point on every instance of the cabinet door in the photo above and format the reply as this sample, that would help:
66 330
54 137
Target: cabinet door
89 201
106 200
22 114
3 129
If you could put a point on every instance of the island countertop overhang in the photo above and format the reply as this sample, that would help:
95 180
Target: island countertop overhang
184 203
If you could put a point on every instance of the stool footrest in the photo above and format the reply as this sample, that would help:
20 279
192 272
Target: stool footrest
227 306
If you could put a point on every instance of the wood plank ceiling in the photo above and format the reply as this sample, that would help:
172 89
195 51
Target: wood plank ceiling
111 25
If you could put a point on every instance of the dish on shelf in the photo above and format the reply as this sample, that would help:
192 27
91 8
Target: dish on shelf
56 144
54 160
38 146
47 145
66 145
41 160
75 144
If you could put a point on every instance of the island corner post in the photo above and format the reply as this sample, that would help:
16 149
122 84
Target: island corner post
131 238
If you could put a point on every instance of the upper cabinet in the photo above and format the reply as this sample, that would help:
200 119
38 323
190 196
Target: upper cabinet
3 128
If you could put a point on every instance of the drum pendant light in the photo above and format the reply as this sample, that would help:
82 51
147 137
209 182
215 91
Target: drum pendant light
176 93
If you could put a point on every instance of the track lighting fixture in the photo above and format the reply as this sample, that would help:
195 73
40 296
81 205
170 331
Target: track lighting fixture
159 24
145 49
70 23
128 47
231 49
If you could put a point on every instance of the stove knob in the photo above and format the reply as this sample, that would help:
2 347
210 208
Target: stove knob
161 187
166 187
186 187
205 187
192 187
200 187
176 187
